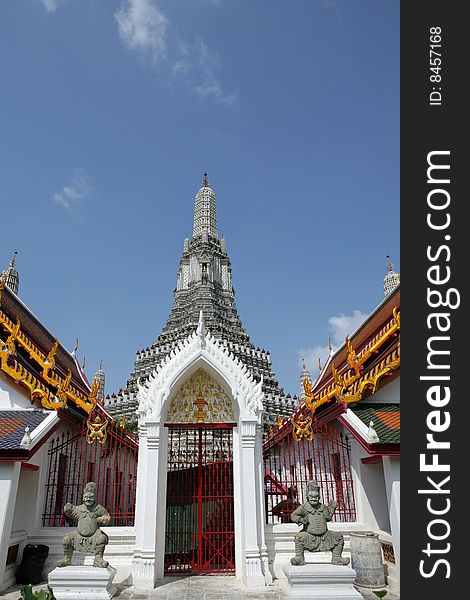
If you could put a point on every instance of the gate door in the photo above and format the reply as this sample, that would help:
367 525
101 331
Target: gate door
199 507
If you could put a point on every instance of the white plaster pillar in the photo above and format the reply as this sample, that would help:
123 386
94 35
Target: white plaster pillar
261 508
9 478
252 571
143 564
391 467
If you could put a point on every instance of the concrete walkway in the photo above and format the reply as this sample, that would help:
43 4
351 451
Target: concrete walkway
200 588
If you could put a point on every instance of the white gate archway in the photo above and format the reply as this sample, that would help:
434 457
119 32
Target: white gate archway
200 351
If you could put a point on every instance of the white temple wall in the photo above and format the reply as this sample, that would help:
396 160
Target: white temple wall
391 467
389 393
9 479
369 490
25 509
10 397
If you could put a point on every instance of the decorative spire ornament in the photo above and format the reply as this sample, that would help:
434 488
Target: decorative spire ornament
391 279
205 217
12 276
101 378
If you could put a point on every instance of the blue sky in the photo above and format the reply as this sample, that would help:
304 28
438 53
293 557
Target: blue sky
111 111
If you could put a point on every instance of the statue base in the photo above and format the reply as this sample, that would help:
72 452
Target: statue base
82 583
320 581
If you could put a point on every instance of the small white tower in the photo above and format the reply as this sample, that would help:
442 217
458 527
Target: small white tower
391 279
100 376
12 275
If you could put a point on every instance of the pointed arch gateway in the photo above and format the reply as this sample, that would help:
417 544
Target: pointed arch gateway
199 530
203 402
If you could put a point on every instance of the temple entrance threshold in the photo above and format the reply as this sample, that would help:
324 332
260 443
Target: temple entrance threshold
199 534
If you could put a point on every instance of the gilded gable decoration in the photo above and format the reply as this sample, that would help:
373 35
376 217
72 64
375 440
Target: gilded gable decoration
201 400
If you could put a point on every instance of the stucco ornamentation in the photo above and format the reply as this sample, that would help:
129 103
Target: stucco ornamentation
219 407
153 393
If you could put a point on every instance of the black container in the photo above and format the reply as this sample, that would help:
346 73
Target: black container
32 564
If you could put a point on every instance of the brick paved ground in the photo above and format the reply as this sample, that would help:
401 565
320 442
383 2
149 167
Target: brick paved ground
201 588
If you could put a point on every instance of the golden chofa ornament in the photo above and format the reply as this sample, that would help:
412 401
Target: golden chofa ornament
97 430
200 404
302 428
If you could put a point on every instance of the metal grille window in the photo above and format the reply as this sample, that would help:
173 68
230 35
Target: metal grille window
289 465
73 462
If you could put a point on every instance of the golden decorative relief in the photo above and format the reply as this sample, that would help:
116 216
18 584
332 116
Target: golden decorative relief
63 387
3 282
396 316
353 361
308 388
200 399
302 428
97 430
95 388
50 359
10 343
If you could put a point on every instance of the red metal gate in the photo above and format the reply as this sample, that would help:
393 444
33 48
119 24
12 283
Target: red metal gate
199 514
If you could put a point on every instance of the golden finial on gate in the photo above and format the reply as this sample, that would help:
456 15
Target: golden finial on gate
200 404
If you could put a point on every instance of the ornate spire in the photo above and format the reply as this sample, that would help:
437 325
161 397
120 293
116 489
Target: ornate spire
100 376
205 216
391 279
12 275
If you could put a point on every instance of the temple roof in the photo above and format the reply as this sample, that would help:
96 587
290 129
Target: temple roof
368 359
43 339
37 363
13 424
385 417
364 333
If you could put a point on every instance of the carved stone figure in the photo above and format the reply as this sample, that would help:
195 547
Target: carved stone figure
315 535
88 537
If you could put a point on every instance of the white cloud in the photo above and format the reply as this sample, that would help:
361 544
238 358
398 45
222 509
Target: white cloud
208 63
339 326
145 29
50 5
79 188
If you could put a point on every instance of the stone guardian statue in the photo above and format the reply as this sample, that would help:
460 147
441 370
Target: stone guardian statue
88 537
315 535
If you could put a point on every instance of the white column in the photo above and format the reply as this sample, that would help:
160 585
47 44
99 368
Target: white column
252 572
260 504
143 565
9 478
391 467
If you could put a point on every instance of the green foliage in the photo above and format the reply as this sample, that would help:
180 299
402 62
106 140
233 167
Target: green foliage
129 426
28 594
380 593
